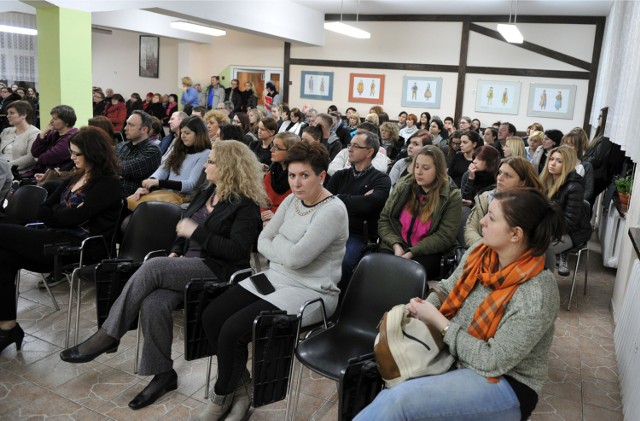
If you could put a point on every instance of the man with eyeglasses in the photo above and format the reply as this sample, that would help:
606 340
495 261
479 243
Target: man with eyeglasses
364 191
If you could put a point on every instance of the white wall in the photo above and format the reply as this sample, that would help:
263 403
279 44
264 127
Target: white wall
439 43
115 64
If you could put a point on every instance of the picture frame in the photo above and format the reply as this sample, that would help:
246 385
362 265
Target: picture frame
316 85
421 92
148 59
366 88
498 97
551 100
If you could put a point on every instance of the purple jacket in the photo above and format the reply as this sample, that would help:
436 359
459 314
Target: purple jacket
53 151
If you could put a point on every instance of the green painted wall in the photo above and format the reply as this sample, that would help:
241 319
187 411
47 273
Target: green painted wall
64 58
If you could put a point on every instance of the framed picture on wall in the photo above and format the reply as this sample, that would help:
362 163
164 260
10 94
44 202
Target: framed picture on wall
316 85
551 101
366 88
421 92
498 97
149 60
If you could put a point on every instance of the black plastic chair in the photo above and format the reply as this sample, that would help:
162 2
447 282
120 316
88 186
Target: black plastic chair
152 228
22 209
379 282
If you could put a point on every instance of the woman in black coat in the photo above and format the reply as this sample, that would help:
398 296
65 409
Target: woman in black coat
214 240
85 205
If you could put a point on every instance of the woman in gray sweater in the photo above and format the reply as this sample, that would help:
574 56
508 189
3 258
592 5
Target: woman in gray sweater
497 319
305 244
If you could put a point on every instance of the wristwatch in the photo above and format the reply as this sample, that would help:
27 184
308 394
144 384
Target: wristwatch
444 330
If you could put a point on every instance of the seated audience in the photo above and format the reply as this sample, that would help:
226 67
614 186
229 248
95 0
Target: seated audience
98 103
490 136
364 191
497 321
535 141
241 120
267 129
390 139
138 157
105 124
295 124
84 205
469 142
181 170
329 138
514 146
421 218
513 172
551 140
578 140
276 180
134 103
51 147
16 141
423 122
410 128
215 119
353 123
436 129
481 174
565 188
402 167
156 134
116 111
213 241
454 146
305 243
155 108
170 108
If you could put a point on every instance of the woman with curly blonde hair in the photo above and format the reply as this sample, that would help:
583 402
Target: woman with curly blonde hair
215 239
214 119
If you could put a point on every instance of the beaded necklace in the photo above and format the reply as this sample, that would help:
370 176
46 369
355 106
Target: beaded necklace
311 208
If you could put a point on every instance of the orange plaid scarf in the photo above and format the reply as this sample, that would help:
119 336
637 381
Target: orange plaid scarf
482 265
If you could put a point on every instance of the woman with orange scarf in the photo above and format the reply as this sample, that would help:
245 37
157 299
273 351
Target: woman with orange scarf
497 319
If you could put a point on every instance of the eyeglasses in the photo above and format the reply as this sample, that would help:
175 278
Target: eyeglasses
210 162
278 148
74 153
355 145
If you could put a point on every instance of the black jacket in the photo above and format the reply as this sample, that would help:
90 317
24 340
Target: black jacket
227 235
249 100
570 199
237 98
360 207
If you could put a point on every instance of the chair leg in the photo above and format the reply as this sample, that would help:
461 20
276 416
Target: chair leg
137 357
586 272
292 402
51 296
69 311
74 277
208 380
573 282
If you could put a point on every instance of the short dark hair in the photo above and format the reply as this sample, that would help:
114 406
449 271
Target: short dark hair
450 119
22 107
145 118
313 153
65 113
270 124
490 156
231 132
474 137
332 108
297 113
519 204
352 109
314 131
199 109
401 113
438 122
383 117
512 128
174 96
371 140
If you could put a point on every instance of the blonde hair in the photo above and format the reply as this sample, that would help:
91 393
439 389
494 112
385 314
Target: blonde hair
537 135
187 81
579 139
516 144
432 198
239 173
373 118
569 162
218 115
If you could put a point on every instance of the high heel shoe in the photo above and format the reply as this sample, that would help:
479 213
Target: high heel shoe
97 344
7 337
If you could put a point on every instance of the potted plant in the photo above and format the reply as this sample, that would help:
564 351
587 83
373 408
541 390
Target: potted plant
623 187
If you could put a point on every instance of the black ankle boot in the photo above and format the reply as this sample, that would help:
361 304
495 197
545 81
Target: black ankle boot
93 347
7 337
158 386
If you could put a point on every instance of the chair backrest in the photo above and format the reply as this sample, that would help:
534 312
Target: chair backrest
380 282
23 205
152 227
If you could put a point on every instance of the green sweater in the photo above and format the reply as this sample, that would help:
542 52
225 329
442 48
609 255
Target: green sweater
520 347
445 220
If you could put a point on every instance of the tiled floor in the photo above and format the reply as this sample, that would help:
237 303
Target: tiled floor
36 385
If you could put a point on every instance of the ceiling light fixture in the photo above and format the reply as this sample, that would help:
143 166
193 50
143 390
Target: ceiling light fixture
344 29
18 30
198 29
510 31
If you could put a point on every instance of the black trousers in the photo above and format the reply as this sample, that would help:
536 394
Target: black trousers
22 248
228 324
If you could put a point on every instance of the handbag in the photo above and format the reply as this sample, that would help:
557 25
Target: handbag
157 196
406 348
54 174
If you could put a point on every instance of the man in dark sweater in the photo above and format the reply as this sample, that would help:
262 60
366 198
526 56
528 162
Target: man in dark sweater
329 139
364 191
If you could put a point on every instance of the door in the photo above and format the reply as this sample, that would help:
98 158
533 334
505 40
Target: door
259 78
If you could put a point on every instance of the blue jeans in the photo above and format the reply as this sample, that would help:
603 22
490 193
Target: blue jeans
456 395
354 251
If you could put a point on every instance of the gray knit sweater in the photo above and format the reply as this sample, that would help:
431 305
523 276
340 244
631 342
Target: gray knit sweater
520 347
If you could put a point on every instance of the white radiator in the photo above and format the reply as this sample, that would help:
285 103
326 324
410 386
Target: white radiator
612 230
626 339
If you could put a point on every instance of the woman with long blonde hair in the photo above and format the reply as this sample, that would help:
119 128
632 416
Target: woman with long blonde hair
565 188
421 218
578 140
514 146
214 239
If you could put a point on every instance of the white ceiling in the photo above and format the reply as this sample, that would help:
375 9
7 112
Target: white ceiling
291 20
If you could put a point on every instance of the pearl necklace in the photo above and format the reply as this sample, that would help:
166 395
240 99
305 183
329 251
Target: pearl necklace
310 209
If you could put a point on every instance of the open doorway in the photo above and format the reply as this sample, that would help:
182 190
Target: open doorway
259 77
